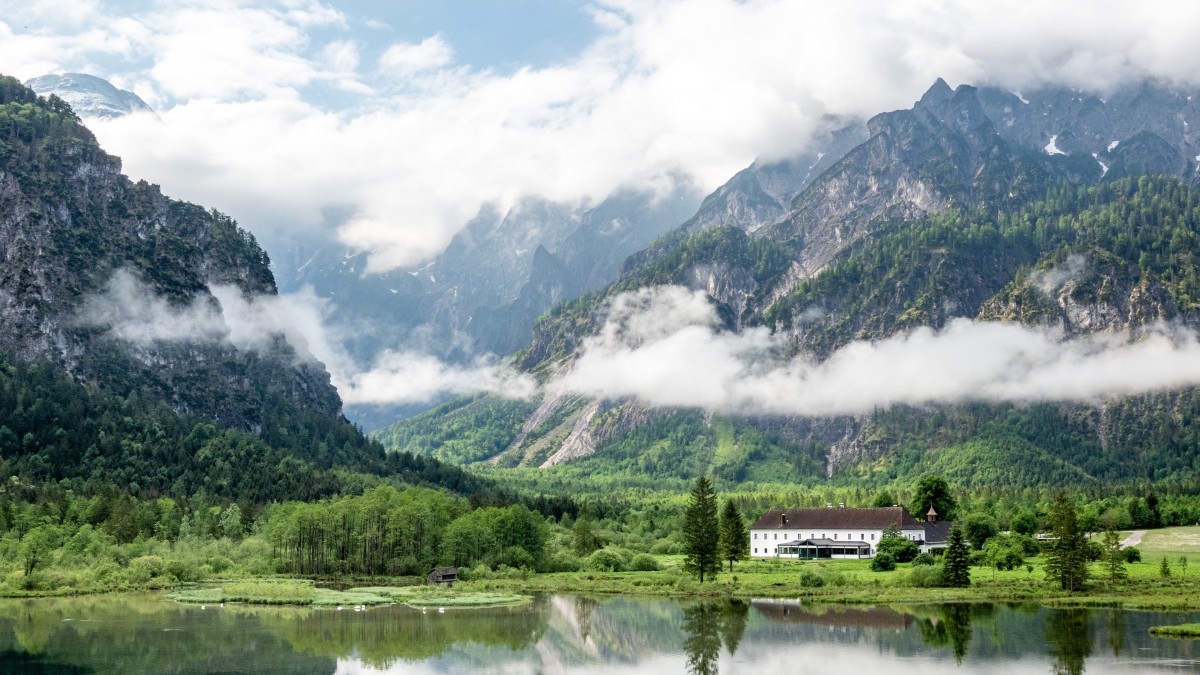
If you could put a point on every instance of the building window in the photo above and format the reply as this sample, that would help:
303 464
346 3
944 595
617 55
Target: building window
756 536
776 536
835 536
872 536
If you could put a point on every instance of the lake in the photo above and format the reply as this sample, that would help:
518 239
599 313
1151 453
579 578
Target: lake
144 633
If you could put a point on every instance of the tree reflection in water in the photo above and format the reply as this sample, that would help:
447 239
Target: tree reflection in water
705 626
1069 638
733 624
584 608
951 628
1116 631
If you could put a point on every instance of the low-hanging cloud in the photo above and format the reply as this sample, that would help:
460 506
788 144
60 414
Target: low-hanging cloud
412 377
663 347
669 88
129 310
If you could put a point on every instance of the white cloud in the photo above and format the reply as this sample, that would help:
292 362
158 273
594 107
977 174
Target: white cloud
408 377
405 58
129 310
663 347
694 88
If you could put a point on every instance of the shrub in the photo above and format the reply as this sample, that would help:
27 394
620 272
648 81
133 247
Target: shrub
883 562
517 557
1093 551
925 576
978 559
563 562
643 563
142 570
476 572
605 560
901 549
1132 555
1028 544
666 547
184 569
810 579
924 559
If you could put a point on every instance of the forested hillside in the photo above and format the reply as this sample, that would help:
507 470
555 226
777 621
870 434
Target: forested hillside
166 411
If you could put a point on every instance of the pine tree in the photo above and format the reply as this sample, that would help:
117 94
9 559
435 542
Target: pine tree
956 565
734 543
584 541
701 533
1114 557
1065 559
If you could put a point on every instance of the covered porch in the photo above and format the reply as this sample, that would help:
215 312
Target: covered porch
821 549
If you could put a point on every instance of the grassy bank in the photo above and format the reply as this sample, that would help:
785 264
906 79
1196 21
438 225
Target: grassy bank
1184 630
306 593
279 592
853 582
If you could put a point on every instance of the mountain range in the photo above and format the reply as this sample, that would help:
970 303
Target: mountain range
1052 208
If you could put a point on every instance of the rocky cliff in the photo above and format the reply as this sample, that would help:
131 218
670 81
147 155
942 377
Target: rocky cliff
71 223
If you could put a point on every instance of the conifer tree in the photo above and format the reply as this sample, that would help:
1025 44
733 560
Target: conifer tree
1066 562
584 539
1114 557
701 534
734 543
956 568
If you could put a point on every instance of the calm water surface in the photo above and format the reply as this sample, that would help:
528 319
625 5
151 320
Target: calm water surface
566 634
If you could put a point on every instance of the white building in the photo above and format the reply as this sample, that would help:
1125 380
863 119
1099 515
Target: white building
839 532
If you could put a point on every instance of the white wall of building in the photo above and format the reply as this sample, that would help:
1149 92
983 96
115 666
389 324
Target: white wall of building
764 541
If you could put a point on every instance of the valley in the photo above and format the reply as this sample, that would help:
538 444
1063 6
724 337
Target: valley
153 435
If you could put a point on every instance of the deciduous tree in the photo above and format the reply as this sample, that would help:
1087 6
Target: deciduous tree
934 491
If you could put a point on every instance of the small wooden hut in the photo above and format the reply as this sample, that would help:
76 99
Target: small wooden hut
442 575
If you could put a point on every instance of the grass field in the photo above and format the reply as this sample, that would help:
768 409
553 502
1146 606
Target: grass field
1172 540
853 581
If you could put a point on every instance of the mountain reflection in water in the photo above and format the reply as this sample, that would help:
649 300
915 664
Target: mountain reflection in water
143 633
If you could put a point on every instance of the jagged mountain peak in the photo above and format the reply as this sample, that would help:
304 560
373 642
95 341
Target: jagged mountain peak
940 91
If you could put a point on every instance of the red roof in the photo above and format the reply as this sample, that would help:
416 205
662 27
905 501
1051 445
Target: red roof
837 519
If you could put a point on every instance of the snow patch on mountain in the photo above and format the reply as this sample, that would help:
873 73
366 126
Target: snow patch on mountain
89 96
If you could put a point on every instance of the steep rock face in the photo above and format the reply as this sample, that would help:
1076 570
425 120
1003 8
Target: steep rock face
69 221
1089 294
761 193
731 286
1084 125
944 152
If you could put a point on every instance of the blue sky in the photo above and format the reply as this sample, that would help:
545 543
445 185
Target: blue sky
502 34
